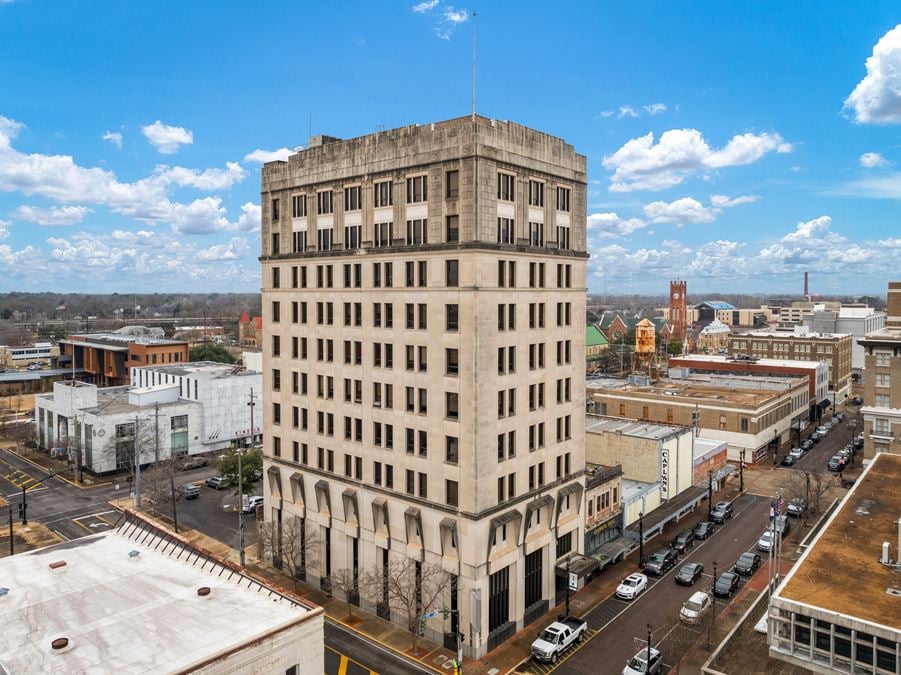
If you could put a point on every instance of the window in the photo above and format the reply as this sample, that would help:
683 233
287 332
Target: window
324 203
382 235
451 362
883 359
276 345
276 312
536 234
411 482
276 380
452 229
452 317
423 486
563 199
383 194
451 492
505 231
883 380
451 273
536 193
452 184
274 248
416 231
451 449
883 401
563 242
505 187
417 189
299 241
422 269
275 211
324 239
352 237
352 200
451 410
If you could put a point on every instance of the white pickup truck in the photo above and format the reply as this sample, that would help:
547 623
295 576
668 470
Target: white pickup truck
556 638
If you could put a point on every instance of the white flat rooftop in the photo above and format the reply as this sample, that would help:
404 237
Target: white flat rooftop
131 614
630 427
201 370
738 363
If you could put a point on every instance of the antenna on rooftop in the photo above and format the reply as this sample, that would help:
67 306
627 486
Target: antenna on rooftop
474 14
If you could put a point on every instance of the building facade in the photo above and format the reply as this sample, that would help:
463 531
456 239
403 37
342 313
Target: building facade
854 320
250 331
423 293
882 381
801 345
23 355
714 337
603 505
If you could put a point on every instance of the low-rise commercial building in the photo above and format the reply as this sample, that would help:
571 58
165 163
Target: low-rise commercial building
23 355
595 345
855 320
603 505
801 345
140 599
837 610
108 357
751 414
714 337
882 381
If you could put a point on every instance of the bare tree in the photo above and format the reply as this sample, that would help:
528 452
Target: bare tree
160 483
347 581
414 587
292 546
809 487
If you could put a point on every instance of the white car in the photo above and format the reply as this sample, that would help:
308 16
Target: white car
797 453
822 431
765 543
251 503
695 607
632 586
639 665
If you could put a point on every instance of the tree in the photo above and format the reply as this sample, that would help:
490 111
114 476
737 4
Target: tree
416 588
293 546
674 348
211 352
160 482
809 486
347 582
251 467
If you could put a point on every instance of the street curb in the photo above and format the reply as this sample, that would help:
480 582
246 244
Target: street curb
62 478
369 638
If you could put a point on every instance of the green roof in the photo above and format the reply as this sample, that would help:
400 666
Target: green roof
594 337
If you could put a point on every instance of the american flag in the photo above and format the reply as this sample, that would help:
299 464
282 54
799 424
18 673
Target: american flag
780 505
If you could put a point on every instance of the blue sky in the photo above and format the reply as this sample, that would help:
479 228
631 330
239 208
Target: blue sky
732 145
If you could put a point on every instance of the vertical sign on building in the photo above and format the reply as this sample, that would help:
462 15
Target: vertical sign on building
664 472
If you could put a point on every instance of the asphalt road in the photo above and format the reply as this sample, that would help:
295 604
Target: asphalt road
838 437
368 657
622 626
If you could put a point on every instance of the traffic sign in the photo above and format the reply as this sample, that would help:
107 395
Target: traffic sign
573 582
430 615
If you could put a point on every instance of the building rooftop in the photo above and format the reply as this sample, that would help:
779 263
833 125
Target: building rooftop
202 370
596 424
89 339
794 334
887 334
715 304
726 358
594 337
840 571
857 312
128 601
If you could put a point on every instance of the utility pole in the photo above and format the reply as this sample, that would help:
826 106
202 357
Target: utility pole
741 470
709 493
567 583
648 664
713 608
251 404
641 539
137 468
156 433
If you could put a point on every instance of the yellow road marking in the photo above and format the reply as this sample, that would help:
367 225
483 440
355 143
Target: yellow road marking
76 521
99 517
346 659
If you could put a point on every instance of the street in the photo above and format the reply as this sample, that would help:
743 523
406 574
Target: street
838 437
622 626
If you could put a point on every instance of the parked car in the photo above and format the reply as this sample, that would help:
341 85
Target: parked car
721 512
836 463
661 562
683 541
189 491
689 574
857 400
704 529
641 665
747 563
217 482
782 525
798 453
815 437
789 460
251 503
807 445
632 586
726 584
195 462
822 430
557 638
765 542
256 475
695 607
839 416
796 507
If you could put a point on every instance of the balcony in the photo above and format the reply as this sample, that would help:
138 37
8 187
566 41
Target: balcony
882 436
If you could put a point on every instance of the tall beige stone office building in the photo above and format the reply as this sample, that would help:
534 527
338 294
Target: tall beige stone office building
882 381
423 299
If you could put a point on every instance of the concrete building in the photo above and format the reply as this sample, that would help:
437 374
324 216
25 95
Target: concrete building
198 335
750 414
423 293
140 599
801 345
678 310
837 610
250 331
603 506
22 355
882 381
108 357
854 320
816 372
714 337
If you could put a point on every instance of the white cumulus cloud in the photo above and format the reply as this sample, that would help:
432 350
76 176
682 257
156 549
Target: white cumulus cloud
208 179
627 111
640 164
234 249
260 156
655 108
424 7
724 202
113 137
683 211
4 229
167 139
877 97
871 160
51 216
609 225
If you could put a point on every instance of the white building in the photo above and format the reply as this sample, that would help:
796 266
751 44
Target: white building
22 355
855 320
139 599
223 390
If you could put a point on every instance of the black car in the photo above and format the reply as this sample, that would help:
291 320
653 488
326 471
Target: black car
661 562
796 507
726 584
704 529
722 511
788 460
807 445
747 563
683 541
815 436
837 463
689 574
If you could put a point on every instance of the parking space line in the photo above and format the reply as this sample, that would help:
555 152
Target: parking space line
346 660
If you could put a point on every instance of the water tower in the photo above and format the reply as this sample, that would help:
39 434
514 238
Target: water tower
645 346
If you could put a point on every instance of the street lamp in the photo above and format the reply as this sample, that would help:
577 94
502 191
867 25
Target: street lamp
709 493
775 446
741 470
641 539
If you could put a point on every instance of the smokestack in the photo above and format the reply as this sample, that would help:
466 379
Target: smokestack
806 290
